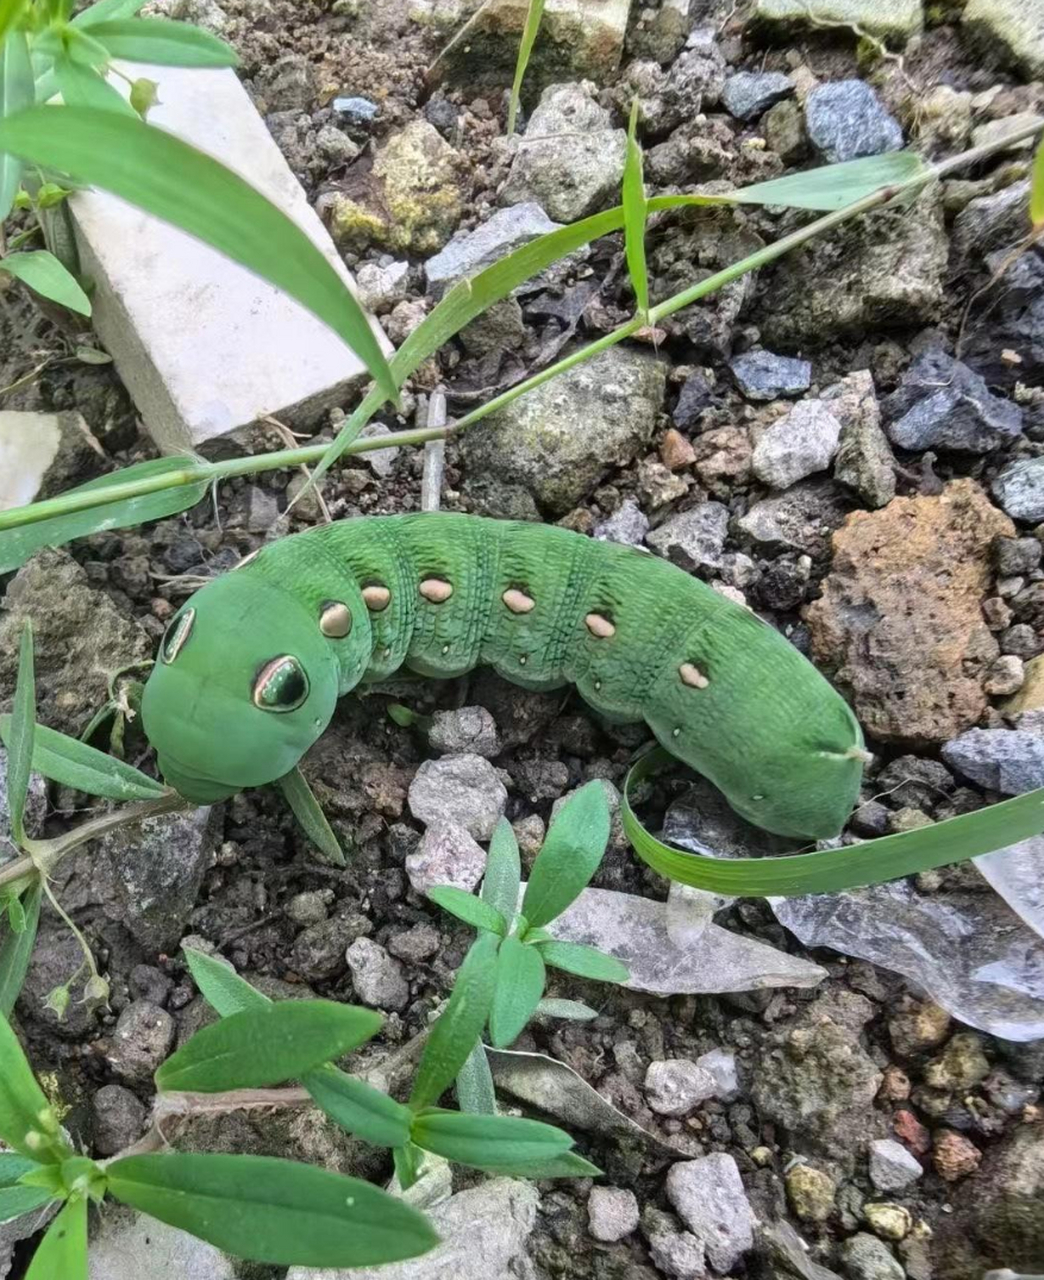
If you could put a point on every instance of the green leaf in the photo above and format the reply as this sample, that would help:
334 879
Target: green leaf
45 275
82 86
17 92
474 1087
19 739
407 1161
166 177
359 1108
534 15
63 1250
1037 187
570 856
520 984
309 814
266 1046
831 870
19 543
13 1168
465 906
503 872
14 1199
107 11
585 962
221 987
274 1211
571 1010
567 1164
16 951
163 43
22 1102
459 1025
74 764
10 12
485 1142
634 210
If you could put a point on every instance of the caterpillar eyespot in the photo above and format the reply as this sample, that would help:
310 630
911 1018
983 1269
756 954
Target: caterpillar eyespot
748 712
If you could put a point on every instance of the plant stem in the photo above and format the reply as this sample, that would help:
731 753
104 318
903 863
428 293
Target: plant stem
193 473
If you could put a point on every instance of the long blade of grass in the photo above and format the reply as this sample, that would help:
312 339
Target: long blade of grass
1037 188
167 178
20 736
534 16
17 92
309 814
831 870
17 949
634 211
163 42
75 764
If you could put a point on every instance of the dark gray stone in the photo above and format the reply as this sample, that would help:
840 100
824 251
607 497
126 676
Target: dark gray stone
846 120
749 93
628 524
507 230
942 404
693 539
119 1119
695 396
1010 761
143 1037
1020 490
761 375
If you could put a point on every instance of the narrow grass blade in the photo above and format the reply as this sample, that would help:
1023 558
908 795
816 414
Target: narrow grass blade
1037 188
503 875
465 906
163 42
634 210
308 812
21 1099
174 490
20 735
17 92
266 1046
166 177
534 16
221 987
520 984
851 867
274 1211
359 1108
82 86
45 275
474 1088
74 764
16 950
63 1250
570 855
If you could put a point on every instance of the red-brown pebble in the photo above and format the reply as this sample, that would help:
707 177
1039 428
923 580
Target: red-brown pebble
955 1156
912 1132
675 451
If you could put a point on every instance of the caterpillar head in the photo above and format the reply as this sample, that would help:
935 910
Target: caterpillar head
247 678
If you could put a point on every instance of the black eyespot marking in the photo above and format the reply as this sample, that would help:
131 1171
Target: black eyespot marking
281 685
177 636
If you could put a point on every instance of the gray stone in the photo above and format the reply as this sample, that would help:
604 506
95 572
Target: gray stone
695 396
380 461
867 1258
318 951
708 1196
673 1087
534 441
467 254
890 19
127 1246
801 519
1010 761
892 1166
465 729
570 160
201 362
797 445
119 1119
992 223
678 1254
749 93
446 855
942 404
287 84
846 120
693 539
864 460
760 375
310 907
628 524
143 1038
1012 29
42 453
483 1237
500 328
1020 490
376 976
784 128
380 288
465 790
335 146
357 112
612 1213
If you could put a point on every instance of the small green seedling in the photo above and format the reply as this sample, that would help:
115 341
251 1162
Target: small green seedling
516 944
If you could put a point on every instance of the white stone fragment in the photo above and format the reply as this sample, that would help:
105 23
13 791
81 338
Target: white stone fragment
892 1167
674 1086
708 1196
202 344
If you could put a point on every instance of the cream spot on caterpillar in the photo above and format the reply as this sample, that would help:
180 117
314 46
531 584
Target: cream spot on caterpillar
693 676
376 598
675 733
522 661
517 601
599 626
597 685
436 590
335 620
445 649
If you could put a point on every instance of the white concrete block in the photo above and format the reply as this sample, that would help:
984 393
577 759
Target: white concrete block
202 344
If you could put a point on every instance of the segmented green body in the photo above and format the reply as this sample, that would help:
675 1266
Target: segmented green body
442 594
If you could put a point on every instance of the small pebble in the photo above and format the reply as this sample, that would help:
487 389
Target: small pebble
889 1221
892 1167
811 1193
674 1087
955 1156
612 1213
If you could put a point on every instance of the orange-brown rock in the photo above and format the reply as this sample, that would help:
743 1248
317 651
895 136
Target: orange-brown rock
900 621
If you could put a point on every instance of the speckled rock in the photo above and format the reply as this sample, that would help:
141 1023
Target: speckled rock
1011 29
761 375
693 539
143 1038
499 235
628 524
811 1193
447 854
465 790
900 618
377 977
708 1196
612 1213
796 445
892 1166
867 1258
1010 761
750 93
1020 490
674 1087
846 121
864 460
464 729
801 519
942 404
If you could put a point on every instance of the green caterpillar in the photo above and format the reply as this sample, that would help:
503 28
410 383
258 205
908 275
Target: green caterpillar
252 666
